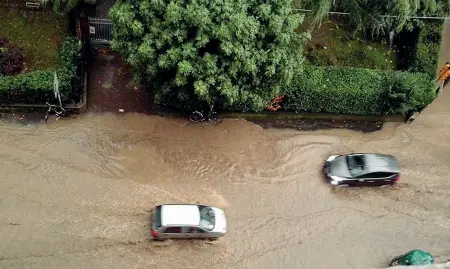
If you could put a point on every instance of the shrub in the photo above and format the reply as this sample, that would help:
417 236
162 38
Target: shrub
37 86
357 91
11 61
419 48
427 53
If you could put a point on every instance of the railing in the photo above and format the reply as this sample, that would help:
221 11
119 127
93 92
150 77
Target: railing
100 31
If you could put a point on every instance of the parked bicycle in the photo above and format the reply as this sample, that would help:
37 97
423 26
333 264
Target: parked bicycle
212 116
60 112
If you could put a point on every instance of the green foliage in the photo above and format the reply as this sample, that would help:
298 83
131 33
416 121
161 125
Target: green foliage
427 53
37 86
357 91
61 5
352 53
11 59
368 14
225 51
419 48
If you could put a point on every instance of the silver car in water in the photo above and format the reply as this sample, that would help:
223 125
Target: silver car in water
186 221
360 169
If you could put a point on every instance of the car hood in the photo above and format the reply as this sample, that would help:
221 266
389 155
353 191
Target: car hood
220 225
338 167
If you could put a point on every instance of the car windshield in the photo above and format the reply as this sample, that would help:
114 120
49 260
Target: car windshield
207 218
356 164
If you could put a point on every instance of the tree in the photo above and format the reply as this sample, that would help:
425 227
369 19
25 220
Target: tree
61 5
368 14
226 51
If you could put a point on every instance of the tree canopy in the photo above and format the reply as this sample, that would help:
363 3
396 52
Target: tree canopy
226 51
368 14
61 5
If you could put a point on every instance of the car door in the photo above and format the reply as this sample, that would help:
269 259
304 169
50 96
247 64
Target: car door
173 232
194 232
378 178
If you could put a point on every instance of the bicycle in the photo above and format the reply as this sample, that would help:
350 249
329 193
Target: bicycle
52 108
212 116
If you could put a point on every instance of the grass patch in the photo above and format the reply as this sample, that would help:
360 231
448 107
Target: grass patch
38 33
334 45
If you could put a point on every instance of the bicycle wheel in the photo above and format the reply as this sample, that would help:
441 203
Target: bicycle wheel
196 116
214 118
61 113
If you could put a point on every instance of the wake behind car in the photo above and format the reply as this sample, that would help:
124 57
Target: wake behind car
188 221
357 169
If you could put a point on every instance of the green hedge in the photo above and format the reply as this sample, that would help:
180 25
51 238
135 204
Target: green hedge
37 86
358 91
344 90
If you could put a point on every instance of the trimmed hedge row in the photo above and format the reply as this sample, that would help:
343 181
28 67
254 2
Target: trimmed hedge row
343 90
357 91
37 86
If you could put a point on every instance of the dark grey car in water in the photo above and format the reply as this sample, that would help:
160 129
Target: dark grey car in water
358 169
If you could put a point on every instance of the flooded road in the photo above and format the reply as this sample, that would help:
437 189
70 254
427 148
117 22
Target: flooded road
77 194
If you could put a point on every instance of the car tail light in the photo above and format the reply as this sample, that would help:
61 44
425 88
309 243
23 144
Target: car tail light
397 178
155 233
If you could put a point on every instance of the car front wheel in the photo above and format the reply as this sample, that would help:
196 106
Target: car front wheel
395 261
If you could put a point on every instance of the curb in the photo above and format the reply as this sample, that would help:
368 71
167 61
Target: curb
296 116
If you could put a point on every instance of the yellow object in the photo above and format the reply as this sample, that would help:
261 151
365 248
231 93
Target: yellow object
444 73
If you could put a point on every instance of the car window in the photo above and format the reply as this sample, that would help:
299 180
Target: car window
173 230
157 217
378 175
207 217
356 164
194 230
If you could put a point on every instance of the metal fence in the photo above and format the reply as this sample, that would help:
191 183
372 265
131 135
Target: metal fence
100 31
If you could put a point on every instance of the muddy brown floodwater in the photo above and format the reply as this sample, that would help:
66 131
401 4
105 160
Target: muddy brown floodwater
77 194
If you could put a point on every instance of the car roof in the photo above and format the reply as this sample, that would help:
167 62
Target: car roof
180 215
376 162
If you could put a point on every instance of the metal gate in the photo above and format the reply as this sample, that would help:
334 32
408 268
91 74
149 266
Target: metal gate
100 31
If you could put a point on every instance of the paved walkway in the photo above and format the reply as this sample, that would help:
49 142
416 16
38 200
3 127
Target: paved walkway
440 104
111 87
